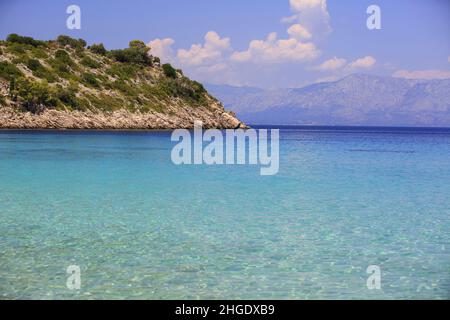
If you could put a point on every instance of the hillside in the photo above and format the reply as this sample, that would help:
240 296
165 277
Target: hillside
357 99
64 83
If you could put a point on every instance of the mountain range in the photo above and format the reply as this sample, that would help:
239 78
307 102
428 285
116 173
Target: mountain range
357 99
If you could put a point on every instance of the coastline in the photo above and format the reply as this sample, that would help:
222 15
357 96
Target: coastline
122 119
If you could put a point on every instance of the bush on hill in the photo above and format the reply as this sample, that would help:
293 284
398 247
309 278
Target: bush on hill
15 38
169 71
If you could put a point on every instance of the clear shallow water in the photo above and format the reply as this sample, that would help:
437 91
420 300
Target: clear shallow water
141 227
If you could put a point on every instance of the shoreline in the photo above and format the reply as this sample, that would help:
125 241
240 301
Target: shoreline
118 120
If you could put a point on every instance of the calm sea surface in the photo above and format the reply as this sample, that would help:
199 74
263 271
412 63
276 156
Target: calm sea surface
140 227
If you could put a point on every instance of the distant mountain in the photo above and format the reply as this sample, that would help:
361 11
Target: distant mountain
357 99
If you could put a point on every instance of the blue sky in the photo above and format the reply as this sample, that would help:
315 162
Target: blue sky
328 39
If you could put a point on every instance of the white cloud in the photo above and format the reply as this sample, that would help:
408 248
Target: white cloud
312 14
273 50
209 52
332 64
297 47
208 61
448 59
297 31
213 68
341 65
213 60
162 48
422 74
300 5
290 19
272 37
365 63
241 56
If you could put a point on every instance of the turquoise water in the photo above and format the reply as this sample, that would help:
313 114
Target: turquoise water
140 227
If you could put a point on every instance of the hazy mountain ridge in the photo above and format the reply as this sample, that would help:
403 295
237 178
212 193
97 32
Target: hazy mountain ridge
357 99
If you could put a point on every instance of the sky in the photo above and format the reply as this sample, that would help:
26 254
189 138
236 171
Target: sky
270 43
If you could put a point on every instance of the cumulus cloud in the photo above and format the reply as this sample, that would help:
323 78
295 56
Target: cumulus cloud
310 20
341 65
312 14
332 64
422 74
214 59
363 63
273 50
210 51
162 48
290 19
208 61
297 31
300 5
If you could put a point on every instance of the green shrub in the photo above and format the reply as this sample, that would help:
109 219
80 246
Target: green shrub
137 53
40 71
35 96
33 64
123 87
79 52
62 70
67 97
123 71
98 49
15 38
91 63
65 40
20 59
63 57
44 73
138 44
90 80
110 103
82 43
17 48
191 91
9 71
198 87
71 42
118 55
82 104
169 71
39 53
59 67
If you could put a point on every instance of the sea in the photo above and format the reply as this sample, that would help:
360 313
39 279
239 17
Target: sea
353 213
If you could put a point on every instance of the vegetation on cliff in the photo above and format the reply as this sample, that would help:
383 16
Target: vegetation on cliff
66 74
